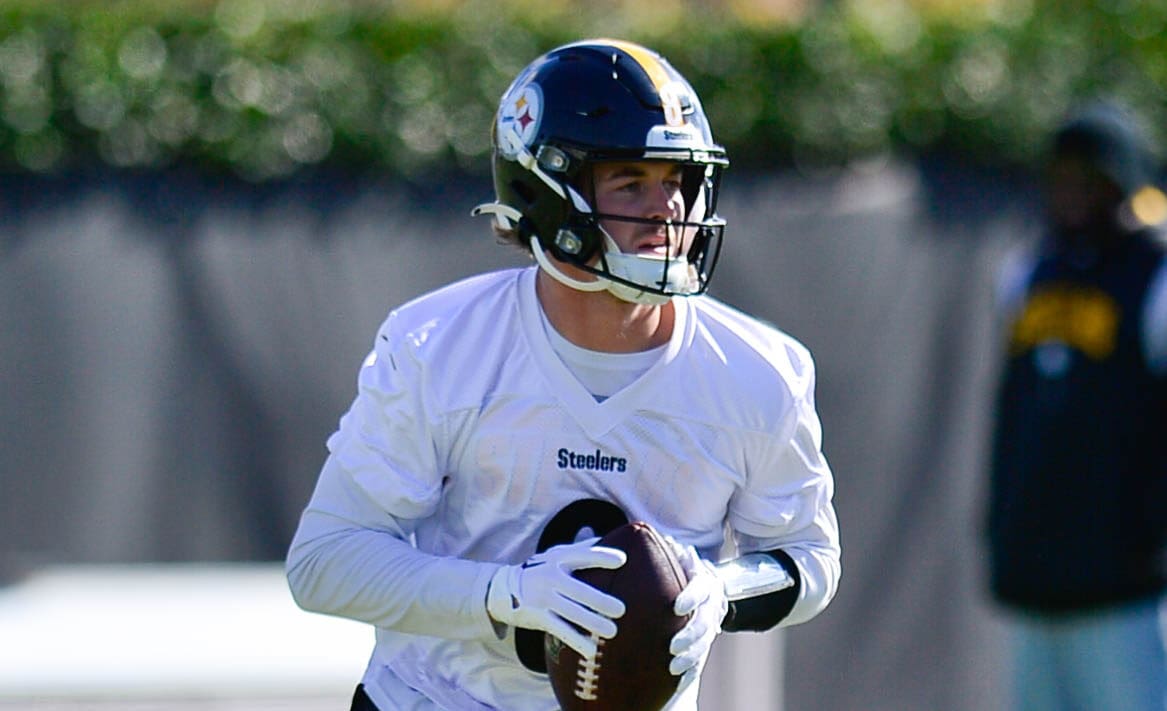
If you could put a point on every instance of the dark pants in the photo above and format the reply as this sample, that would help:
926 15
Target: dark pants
361 700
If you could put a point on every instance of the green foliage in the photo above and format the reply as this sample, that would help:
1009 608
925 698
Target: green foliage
267 88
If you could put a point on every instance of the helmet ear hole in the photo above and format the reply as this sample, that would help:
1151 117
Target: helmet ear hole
523 191
527 199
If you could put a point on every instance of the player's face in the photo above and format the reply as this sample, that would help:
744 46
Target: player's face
648 190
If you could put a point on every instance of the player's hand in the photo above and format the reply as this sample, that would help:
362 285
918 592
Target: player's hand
541 594
704 596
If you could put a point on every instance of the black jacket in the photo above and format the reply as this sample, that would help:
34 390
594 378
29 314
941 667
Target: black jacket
1078 496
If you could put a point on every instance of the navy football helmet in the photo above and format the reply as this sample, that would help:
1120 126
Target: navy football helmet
604 100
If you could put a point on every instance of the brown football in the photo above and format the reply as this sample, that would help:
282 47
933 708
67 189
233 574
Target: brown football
631 670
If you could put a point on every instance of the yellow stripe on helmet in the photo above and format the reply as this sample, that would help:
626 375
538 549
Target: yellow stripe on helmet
665 83
646 58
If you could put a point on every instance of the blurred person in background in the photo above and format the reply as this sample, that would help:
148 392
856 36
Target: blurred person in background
505 421
1078 490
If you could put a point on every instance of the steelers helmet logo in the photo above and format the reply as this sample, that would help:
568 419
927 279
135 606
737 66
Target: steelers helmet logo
519 118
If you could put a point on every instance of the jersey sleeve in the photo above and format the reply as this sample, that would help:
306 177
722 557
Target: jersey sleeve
351 555
787 503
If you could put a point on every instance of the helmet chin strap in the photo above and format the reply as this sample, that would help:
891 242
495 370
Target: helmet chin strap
556 273
680 276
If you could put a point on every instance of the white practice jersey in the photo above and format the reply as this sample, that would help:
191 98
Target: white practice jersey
470 444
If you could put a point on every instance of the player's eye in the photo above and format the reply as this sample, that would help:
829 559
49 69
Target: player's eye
627 187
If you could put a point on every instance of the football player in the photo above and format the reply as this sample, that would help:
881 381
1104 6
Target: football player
504 422
1077 497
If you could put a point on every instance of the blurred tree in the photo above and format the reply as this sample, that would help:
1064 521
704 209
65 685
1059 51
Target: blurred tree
267 89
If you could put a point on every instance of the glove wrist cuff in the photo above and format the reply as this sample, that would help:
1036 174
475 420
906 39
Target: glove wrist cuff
500 600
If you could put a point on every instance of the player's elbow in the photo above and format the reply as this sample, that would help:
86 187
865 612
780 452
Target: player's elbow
302 572
310 571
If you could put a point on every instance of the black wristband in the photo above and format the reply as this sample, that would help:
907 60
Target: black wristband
758 614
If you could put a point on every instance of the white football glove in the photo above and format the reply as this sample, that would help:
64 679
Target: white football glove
541 594
705 597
